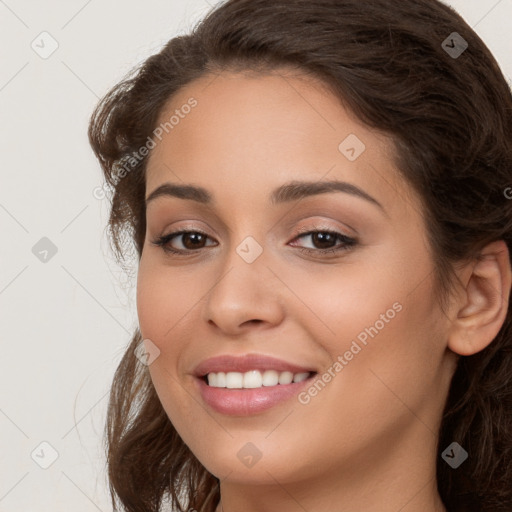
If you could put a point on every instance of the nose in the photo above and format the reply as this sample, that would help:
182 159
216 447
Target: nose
243 295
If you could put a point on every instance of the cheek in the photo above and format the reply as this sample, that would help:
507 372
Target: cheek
164 299
376 320
340 303
151 302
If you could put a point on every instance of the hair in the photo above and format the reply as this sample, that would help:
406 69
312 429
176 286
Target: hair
450 121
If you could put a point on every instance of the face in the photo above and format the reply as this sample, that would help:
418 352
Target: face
335 280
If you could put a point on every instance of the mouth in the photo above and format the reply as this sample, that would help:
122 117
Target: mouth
243 385
251 393
254 379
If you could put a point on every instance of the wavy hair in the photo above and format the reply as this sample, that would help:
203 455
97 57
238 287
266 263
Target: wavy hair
450 119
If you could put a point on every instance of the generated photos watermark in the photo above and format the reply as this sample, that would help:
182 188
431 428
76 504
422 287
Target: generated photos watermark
130 162
322 380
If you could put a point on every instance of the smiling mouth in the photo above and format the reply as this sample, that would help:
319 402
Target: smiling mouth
254 379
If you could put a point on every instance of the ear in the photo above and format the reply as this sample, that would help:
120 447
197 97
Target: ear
483 304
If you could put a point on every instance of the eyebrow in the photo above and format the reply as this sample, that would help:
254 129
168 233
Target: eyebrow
292 191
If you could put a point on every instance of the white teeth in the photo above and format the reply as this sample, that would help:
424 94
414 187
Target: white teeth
217 380
234 380
253 379
270 378
212 380
285 378
299 377
221 380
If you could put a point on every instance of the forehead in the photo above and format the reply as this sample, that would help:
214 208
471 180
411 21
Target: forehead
266 128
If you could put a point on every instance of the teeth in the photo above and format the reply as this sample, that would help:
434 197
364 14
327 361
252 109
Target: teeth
299 377
286 377
253 379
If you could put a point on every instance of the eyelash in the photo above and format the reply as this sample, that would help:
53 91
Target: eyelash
347 242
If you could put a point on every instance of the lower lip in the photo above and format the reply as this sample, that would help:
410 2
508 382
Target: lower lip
245 402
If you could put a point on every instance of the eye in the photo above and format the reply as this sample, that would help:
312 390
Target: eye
189 240
326 241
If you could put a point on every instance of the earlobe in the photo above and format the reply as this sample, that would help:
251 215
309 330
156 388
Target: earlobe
484 306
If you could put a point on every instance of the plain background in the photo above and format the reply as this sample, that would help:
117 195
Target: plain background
66 321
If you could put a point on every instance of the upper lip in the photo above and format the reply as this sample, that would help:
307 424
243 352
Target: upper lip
230 363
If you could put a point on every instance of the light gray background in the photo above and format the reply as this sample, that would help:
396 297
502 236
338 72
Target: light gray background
65 322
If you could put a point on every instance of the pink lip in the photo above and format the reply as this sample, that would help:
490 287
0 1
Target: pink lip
229 363
244 402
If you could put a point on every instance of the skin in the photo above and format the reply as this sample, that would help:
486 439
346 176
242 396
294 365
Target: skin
367 441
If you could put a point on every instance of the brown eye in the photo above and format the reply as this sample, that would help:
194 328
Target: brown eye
189 241
323 239
326 241
193 240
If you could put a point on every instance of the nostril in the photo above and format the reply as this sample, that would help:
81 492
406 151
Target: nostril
256 321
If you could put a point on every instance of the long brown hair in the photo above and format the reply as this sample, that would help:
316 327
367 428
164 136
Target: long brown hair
450 117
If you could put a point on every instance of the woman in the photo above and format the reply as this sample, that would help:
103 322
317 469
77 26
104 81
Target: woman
316 192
